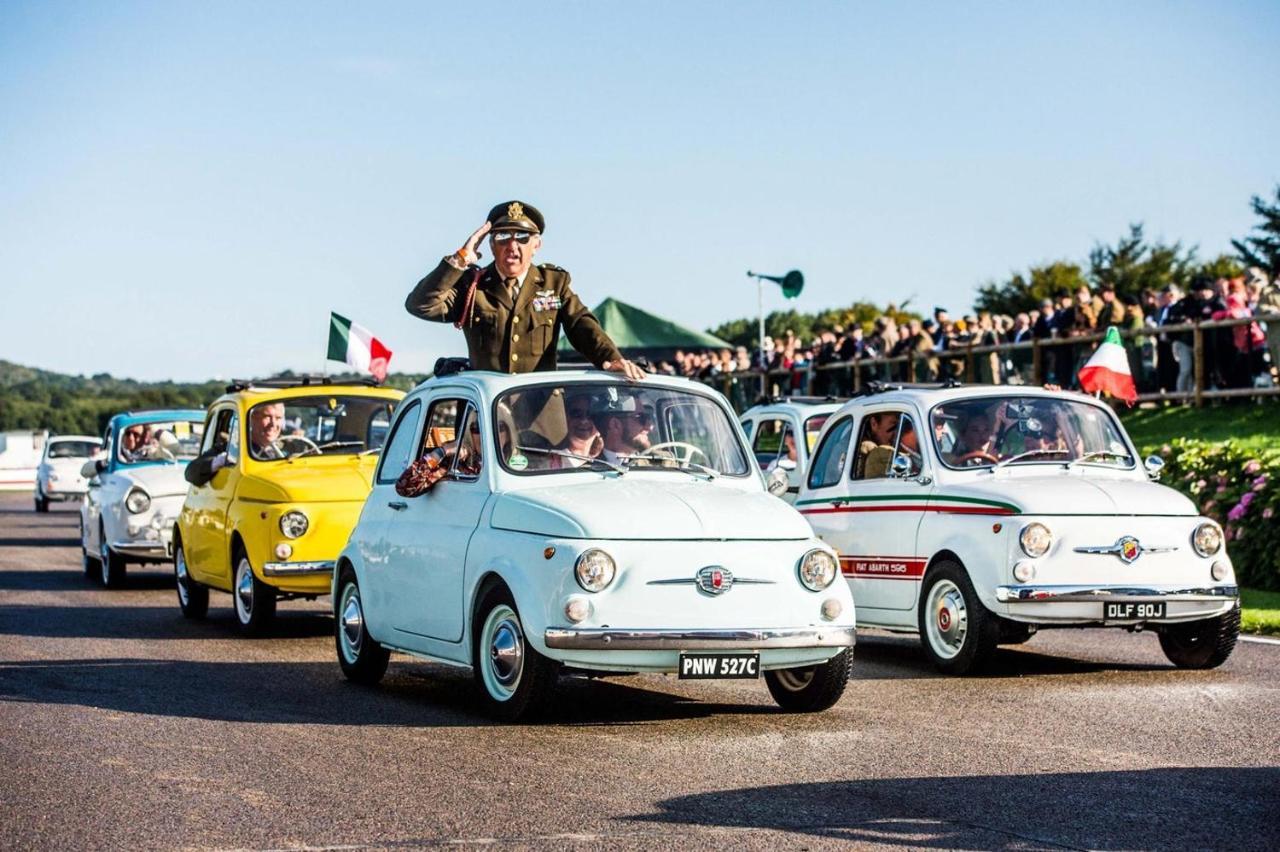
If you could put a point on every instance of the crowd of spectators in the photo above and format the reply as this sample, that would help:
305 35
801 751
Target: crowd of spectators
939 346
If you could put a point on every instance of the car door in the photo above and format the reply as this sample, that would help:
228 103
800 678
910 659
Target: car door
205 509
886 496
369 538
93 497
428 535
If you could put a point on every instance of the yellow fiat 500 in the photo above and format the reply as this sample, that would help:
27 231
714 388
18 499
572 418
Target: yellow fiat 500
282 475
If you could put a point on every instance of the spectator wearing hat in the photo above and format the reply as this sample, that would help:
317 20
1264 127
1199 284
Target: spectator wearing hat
512 311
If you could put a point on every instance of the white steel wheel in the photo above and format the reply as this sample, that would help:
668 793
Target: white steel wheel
193 597
946 619
254 600
502 644
110 563
811 689
361 657
794 680
515 681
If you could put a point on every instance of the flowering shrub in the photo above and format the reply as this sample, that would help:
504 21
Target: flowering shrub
1240 489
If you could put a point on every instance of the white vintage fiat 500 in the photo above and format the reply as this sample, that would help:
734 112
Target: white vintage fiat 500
978 515
584 524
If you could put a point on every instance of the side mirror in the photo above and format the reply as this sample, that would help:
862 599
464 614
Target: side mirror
901 467
786 464
89 469
779 482
1154 466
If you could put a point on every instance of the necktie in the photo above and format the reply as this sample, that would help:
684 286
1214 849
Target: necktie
513 288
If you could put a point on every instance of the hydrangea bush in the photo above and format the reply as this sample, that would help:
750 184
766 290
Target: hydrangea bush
1240 489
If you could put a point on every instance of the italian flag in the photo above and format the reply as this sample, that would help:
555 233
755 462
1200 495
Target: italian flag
354 344
1108 370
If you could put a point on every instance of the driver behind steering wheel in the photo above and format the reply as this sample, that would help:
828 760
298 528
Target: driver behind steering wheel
624 425
264 432
976 442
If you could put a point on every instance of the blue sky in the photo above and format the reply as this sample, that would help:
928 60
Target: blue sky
187 190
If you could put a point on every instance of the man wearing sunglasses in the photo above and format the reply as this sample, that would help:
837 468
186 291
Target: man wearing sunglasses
512 310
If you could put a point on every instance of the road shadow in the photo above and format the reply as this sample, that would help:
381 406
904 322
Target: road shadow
892 657
151 578
68 541
1173 808
152 622
414 695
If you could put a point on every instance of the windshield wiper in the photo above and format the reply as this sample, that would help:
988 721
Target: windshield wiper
1027 455
1099 454
320 448
660 463
565 454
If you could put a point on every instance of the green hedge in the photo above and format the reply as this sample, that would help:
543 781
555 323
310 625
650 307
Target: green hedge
1237 487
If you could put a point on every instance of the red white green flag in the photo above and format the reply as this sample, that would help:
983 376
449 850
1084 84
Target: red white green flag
354 344
1108 370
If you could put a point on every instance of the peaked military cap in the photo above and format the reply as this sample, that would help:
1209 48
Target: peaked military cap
516 216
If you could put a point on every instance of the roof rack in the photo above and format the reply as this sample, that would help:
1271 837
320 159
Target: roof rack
280 382
872 388
766 399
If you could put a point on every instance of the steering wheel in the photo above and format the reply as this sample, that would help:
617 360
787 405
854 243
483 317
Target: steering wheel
689 449
310 444
976 455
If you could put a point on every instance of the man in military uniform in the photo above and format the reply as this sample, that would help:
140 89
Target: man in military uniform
512 311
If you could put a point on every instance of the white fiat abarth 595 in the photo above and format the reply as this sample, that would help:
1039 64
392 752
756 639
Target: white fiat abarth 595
782 433
977 515
586 525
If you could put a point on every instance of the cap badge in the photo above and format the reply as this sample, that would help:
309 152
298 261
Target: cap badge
515 210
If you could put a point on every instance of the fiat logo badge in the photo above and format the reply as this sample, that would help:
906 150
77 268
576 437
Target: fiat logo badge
714 580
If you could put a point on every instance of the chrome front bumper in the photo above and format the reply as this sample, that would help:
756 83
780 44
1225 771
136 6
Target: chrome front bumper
142 549
296 569
1113 594
609 639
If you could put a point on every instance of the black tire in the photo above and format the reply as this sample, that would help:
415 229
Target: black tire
90 562
958 633
1201 644
254 601
193 597
1015 632
812 689
362 658
515 681
110 564
42 503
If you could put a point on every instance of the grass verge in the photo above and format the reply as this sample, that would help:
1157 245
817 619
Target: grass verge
1260 612
1253 425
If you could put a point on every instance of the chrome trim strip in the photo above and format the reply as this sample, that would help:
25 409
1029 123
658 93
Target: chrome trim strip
1114 549
671 639
294 569
1113 594
691 581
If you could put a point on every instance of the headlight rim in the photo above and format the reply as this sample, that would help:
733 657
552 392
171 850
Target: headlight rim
1195 539
582 559
137 491
1022 539
284 531
834 564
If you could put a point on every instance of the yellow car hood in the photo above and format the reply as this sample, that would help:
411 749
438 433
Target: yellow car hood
312 480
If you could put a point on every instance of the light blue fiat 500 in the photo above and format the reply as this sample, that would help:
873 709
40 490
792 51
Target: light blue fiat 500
576 523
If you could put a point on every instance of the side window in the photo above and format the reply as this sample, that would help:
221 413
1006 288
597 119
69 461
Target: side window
233 439
885 435
768 443
746 427
442 424
467 461
217 434
829 461
395 458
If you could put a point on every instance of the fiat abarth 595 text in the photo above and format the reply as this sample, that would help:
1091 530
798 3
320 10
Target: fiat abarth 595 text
589 525
135 489
283 471
977 515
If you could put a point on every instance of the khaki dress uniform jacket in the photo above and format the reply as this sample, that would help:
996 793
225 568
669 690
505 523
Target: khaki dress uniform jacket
508 337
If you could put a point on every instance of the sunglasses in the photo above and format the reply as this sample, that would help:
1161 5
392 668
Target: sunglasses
643 418
519 236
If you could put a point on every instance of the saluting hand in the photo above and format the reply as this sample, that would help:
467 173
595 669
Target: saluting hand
470 251
630 369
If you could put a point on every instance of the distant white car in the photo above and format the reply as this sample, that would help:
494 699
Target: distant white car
978 515
20 451
773 427
59 477
136 489
658 552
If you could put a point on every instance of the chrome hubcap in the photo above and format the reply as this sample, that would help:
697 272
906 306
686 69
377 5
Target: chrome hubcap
104 554
351 624
502 645
180 569
946 619
244 590
794 680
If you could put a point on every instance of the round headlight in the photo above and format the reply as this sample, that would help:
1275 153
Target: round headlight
595 570
1220 571
1035 540
137 501
1207 539
293 524
818 569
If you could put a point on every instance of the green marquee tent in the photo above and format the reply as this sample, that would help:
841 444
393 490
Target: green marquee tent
638 332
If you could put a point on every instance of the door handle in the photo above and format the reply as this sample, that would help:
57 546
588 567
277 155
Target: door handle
398 505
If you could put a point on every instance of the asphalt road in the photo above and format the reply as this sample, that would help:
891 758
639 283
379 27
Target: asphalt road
124 726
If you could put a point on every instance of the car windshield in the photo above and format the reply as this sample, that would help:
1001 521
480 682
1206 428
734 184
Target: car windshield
560 428
1005 430
158 441
72 449
317 425
813 428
